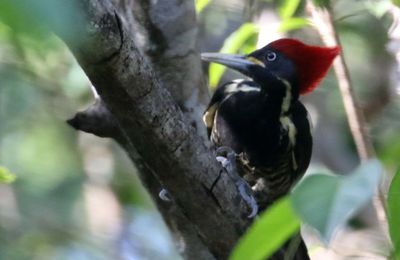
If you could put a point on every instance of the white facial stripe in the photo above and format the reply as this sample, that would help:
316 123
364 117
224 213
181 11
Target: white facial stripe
289 126
248 89
286 121
288 97
233 88
238 80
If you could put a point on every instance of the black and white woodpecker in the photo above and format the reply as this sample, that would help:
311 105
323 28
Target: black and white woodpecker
261 120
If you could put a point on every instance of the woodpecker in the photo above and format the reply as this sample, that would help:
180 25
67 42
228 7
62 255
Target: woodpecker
261 117
262 127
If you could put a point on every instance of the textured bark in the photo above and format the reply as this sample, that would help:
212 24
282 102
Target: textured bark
157 123
168 36
99 121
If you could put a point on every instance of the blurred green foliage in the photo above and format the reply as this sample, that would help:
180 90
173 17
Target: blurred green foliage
293 23
45 214
242 40
38 18
287 10
327 202
393 202
201 4
274 227
6 176
396 2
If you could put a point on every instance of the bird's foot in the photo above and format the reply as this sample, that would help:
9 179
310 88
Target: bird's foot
164 195
247 194
227 157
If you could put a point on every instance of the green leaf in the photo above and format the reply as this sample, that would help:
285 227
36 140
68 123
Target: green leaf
288 8
326 202
274 227
232 45
393 203
396 2
293 23
6 176
201 4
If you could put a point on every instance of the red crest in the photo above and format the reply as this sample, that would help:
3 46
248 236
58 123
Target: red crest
312 62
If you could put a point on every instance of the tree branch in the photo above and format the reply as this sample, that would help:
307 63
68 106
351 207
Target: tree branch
152 123
98 120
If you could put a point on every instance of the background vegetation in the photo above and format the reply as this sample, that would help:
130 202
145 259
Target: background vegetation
77 196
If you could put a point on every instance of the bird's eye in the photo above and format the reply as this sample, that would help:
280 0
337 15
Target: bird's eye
271 56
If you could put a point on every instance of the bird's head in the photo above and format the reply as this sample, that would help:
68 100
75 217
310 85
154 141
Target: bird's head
300 64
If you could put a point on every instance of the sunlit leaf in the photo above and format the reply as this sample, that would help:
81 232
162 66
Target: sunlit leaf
393 203
274 227
288 8
201 4
250 44
231 45
396 2
6 176
326 202
293 23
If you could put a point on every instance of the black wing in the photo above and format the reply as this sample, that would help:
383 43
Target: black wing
218 130
303 146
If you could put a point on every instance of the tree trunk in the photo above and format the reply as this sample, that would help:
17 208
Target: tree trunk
141 57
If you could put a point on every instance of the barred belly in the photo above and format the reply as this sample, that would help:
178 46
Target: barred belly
269 183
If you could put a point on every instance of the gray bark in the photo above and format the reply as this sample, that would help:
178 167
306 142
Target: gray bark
152 97
99 121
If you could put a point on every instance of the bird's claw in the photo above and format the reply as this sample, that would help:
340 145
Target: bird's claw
222 160
247 194
226 152
164 195
227 157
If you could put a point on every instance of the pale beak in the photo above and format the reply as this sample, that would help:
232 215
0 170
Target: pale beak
240 63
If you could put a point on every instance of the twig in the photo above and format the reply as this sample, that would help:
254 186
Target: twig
323 19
